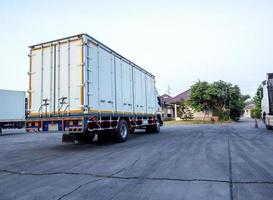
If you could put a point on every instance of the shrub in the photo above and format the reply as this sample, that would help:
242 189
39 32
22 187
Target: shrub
256 113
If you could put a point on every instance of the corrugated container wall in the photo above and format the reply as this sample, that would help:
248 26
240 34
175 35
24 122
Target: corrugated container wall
12 105
79 74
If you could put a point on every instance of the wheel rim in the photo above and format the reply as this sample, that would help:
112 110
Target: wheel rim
123 130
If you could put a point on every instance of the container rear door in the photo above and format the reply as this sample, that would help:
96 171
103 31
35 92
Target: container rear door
56 78
41 80
69 77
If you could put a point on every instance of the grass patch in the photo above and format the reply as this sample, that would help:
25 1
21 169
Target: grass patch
184 122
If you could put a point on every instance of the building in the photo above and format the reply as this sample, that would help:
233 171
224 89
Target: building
169 106
168 111
247 110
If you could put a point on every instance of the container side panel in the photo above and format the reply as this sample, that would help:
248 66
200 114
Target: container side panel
127 89
143 93
92 69
12 105
270 95
113 84
119 85
149 100
139 91
130 88
106 81
265 102
75 75
154 103
136 92
151 96
146 93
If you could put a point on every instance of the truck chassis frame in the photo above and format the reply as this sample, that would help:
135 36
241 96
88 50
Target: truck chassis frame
77 126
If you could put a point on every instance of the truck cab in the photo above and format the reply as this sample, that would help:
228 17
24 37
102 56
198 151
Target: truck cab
267 101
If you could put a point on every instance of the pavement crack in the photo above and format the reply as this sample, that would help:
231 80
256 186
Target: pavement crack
135 177
230 169
128 167
77 188
253 182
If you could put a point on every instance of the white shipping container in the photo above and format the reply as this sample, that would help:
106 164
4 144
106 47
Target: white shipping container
78 74
12 106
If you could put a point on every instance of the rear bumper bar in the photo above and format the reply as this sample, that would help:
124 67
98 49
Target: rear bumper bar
75 125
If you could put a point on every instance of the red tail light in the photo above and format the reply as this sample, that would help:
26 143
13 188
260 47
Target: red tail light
93 118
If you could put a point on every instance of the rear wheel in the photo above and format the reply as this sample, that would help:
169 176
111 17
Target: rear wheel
153 128
148 129
105 136
122 131
268 127
157 128
132 130
86 137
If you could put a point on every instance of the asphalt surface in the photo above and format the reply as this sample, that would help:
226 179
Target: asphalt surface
214 162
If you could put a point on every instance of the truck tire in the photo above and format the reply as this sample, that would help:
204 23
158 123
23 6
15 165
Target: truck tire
21 125
105 137
101 137
122 131
153 128
86 137
157 127
132 130
148 129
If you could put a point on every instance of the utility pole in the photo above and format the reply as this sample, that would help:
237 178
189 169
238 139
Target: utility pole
169 90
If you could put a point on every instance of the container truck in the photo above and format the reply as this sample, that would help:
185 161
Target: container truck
81 87
267 101
12 109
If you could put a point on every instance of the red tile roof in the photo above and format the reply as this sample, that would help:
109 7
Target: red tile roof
182 96
165 97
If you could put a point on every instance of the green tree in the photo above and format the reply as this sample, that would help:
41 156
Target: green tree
198 98
237 103
224 99
184 111
257 111
219 97
258 97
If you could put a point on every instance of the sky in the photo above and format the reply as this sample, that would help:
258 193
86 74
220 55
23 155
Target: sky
180 42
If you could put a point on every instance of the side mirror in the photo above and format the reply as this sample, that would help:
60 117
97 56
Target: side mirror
159 101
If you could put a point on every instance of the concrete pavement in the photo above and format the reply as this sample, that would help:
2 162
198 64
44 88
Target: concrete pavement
229 161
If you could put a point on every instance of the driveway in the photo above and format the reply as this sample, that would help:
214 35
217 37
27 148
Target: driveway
214 162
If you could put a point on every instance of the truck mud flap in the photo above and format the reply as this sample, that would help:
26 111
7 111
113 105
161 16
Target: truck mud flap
67 138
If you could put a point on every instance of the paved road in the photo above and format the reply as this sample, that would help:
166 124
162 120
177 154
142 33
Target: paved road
232 161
